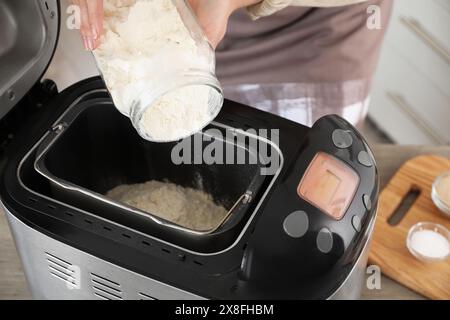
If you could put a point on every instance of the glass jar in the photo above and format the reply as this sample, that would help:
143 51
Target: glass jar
159 68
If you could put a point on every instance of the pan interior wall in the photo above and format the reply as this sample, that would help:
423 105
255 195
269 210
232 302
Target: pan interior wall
101 150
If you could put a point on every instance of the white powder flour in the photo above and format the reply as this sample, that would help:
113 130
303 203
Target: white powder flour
144 45
187 207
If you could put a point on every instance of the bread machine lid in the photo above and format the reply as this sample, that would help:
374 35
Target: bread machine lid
29 33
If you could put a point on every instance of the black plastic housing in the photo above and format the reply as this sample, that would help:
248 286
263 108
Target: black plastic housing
262 263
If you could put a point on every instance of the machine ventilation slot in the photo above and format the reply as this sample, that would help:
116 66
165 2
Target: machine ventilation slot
101 297
61 269
144 296
105 289
198 263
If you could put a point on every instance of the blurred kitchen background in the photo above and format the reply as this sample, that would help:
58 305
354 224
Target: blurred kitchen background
411 93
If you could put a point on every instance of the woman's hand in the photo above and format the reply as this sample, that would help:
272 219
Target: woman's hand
91 27
213 16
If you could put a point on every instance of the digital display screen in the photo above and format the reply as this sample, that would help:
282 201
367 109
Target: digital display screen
329 184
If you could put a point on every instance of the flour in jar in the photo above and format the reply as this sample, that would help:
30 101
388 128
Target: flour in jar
145 43
187 207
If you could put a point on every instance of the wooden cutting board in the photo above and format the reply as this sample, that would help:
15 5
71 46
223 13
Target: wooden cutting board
389 249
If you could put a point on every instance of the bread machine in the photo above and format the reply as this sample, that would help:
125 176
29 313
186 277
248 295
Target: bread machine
299 232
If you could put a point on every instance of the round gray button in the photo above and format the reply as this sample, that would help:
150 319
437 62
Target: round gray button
296 224
342 139
324 240
356 222
364 159
367 202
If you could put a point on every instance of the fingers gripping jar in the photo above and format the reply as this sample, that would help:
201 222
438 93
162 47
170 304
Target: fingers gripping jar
159 67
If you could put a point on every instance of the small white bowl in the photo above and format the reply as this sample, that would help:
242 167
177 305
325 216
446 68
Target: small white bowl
432 227
442 206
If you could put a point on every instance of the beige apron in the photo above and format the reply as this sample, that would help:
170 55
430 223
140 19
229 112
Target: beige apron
303 63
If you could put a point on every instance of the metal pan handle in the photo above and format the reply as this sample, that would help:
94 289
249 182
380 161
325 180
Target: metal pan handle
44 146
244 199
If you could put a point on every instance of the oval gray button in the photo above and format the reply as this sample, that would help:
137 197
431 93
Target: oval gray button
356 222
364 159
296 224
324 240
342 139
367 202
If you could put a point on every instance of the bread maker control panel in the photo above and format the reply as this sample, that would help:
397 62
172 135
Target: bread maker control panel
321 212
335 184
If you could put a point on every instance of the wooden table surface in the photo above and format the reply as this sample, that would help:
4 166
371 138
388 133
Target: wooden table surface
389 159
